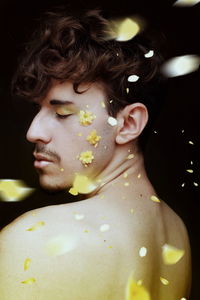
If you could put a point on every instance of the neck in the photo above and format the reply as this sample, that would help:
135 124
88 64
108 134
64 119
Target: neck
123 168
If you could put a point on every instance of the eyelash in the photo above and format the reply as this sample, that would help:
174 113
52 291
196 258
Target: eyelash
62 116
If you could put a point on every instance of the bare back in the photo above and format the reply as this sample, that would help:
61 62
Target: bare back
80 251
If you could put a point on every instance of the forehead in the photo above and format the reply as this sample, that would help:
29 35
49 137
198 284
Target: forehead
64 91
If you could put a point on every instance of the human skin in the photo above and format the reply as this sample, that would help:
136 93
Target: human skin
88 249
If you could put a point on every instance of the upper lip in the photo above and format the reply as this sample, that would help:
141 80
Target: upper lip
39 156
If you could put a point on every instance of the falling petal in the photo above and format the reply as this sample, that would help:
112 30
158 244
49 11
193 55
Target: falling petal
36 226
27 263
191 162
104 227
195 183
14 190
149 54
164 281
135 291
180 65
171 255
79 216
111 101
186 2
127 29
29 281
155 199
190 171
155 131
133 78
127 90
60 245
130 156
183 184
112 121
191 143
183 131
142 251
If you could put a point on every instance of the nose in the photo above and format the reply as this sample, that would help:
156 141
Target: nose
39 130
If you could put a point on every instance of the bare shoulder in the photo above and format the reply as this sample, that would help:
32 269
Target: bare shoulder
49 250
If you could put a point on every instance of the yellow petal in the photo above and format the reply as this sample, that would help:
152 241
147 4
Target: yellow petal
171 255
60 245
154 198
83 185
73 191
135 291
127 29
36 226
29 281
86 157
190 171
186 2
130 156
164 281
86 117
14 190
27 264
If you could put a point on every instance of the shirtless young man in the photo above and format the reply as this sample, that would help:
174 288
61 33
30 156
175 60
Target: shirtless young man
117 242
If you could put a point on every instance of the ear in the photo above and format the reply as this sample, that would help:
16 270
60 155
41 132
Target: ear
131 121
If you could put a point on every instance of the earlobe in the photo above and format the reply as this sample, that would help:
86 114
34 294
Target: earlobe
131 122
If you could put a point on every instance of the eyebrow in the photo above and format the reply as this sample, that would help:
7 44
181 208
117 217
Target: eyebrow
60 102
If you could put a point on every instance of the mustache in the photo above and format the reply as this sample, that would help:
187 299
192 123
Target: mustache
51 154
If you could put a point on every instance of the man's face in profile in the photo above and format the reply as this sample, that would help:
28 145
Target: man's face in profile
71 134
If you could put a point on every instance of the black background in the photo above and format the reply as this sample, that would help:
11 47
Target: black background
168 154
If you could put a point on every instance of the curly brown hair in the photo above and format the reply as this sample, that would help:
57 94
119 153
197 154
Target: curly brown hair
77 48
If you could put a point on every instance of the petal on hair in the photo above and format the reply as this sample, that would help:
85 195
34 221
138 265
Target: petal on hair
133 78
149 54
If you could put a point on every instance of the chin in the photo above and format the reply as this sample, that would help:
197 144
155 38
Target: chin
52 185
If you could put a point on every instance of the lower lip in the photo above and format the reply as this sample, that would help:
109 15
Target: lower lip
41 163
